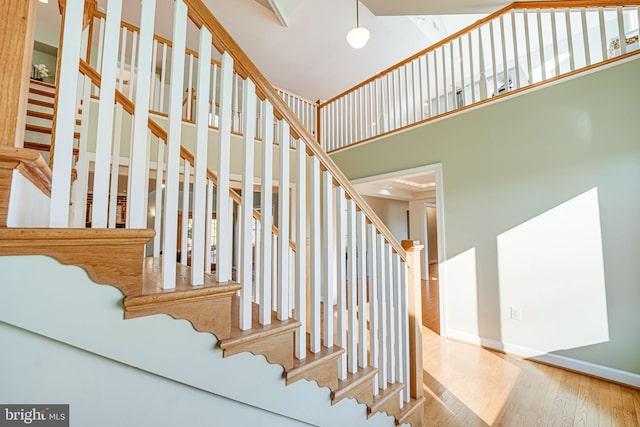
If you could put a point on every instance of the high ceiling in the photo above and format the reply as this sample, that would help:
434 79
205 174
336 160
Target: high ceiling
310 55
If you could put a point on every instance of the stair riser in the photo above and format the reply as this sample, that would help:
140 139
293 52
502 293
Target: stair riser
325 374
278 349
206 314
363 393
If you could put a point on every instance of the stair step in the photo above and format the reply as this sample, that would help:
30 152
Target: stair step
45 130
274 341
39 102
388 401
412 413
40 114
47 93
42 84
358 386
321 367
207 307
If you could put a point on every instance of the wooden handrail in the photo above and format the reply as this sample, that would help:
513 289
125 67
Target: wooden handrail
157 130
222 40
480 22
30 164
101 15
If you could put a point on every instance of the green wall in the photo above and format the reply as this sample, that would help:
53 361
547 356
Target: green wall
542 213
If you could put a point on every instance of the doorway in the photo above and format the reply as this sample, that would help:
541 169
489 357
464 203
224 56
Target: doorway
421 191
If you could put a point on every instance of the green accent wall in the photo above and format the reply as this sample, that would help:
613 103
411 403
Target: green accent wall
542 213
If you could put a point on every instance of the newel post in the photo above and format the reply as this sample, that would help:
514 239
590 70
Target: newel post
17 28
414 286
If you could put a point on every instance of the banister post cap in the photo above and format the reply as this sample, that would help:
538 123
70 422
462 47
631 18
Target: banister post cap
412 245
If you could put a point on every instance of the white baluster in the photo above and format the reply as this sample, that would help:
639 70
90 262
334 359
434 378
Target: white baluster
391 319
209 229
516 56
81 184
462 76
603 33
184 242
352 294
471 69
554 37
315 255
328 254
246 208
404 297
503 42
372 272
173 144
621 34
483 67
397 298
98 64
224 221
266 204
428 83
157 220
134 49
543 67
572 60
189 94
585 36
445 89
283 222
528 46
494 69
200 161
454 103
152 91
138 160
341 269
163 77
104 134
437 86
301 250
117 139
382 312
361 247
274 273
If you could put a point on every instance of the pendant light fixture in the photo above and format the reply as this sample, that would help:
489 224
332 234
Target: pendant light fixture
359 36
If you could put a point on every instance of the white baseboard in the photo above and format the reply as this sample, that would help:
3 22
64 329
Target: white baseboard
600 371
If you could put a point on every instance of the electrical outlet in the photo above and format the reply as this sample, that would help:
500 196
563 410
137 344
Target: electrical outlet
516 313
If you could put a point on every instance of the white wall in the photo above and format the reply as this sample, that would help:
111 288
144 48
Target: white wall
28 205
60 302
393 214
103 393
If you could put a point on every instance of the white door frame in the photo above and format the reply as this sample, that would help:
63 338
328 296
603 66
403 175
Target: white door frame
442 278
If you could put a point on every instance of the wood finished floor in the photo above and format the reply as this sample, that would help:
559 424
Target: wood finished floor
466 385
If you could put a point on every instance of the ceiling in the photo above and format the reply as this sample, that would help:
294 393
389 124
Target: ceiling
420 186
310 56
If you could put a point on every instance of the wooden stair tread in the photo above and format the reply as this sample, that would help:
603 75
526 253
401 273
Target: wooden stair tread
38 82
384 402
40 103
152 292
45 130
257 330
40 115
412 413
41 92
321 367
349 386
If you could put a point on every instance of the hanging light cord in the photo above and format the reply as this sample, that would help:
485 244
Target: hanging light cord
357 14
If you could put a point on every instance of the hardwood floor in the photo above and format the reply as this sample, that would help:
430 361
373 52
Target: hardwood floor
431 300
466 385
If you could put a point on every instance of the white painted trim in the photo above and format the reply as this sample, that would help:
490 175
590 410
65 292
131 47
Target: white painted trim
440 225
581 366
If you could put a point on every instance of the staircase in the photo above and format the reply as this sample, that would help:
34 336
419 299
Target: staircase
276 286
